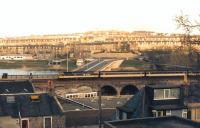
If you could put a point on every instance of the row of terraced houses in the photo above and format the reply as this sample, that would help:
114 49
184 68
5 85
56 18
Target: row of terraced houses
94 42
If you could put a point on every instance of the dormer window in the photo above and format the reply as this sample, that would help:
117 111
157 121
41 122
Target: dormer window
163 94
35 98
10 99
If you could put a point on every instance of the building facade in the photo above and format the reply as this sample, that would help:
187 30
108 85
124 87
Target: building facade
33 110
94 42
163 100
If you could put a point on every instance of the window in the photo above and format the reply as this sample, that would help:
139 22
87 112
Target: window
184 113
166 93
47 122
154 112
10 99
168 112
24 123
35 98
161 94
175 93
161 113
158 93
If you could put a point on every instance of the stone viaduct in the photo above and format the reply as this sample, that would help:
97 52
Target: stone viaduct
112 86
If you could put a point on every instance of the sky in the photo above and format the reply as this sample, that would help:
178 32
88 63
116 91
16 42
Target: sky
33 17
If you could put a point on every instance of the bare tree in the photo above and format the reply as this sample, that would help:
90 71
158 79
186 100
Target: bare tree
188 26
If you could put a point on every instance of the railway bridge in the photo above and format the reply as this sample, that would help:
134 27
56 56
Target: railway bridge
110 83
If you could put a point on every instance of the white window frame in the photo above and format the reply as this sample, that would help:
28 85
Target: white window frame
165 90
168 112
154 112
44 120
184 111
165 98
161 112
24 119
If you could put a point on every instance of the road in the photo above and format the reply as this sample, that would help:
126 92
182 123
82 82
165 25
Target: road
95 65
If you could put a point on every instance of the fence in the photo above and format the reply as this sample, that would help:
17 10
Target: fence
27 77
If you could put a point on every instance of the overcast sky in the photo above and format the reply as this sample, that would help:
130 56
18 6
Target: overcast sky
26 17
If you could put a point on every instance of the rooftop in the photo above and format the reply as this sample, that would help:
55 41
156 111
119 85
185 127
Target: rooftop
9 87
29 105
107 102
161 122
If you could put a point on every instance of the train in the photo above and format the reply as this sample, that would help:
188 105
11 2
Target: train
107 74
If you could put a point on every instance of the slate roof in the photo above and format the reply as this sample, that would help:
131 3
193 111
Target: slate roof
92 103
8 87
160 122
132 104
135 105
46 105
69 105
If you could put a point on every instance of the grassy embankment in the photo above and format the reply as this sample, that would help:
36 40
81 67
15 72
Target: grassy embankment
134 64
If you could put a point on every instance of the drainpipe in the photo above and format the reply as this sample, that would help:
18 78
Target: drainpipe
185 80
99 102
186 83
19 114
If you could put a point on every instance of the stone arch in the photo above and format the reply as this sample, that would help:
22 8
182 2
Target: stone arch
84 89
59 87
108 90
129 90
